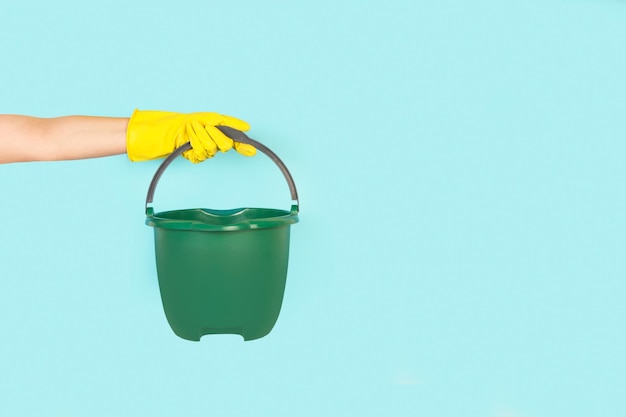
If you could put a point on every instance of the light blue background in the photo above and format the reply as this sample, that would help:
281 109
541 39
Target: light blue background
461 250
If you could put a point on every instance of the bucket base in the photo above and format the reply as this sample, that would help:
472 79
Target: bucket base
195 336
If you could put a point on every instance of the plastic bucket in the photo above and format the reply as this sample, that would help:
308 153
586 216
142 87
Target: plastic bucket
222 271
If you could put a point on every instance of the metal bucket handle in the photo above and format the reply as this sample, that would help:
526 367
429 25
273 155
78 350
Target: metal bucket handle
237 136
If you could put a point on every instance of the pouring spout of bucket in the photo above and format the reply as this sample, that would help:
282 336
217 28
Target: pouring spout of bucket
238 136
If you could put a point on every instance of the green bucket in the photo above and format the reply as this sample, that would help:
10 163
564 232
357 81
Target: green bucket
222 271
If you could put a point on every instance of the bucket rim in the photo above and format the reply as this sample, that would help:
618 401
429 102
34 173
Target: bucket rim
213 220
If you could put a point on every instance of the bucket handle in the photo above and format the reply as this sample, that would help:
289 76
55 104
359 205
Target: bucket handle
238 136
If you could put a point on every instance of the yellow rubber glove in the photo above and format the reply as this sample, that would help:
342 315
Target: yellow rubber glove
156 134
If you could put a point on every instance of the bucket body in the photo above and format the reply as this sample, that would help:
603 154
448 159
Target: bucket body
222 272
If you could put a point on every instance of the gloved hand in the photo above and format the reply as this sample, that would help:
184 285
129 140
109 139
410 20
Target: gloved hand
156 134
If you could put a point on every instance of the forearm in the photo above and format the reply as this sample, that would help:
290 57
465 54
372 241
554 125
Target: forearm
24 138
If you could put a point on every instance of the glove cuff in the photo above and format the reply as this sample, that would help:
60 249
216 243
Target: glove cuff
150 134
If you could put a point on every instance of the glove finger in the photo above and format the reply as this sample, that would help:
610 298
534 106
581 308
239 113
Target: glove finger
204 138
233 122
201 143
191 156
181 138
223 142
245 149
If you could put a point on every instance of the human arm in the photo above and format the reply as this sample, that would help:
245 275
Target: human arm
26 138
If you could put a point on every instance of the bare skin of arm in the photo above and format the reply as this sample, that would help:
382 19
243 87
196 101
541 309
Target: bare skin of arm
26 139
